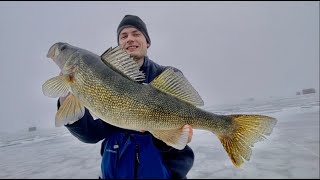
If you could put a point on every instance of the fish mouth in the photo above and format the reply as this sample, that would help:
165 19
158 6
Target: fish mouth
56 49
54 52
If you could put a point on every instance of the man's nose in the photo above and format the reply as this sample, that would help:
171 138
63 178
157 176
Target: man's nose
130 38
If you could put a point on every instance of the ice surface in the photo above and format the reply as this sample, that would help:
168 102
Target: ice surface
292 150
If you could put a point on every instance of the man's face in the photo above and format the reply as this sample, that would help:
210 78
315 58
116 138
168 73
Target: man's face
133 42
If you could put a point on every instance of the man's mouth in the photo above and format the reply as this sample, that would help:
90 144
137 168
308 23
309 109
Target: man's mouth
131 48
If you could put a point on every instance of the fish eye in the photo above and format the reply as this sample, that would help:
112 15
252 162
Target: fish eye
63 47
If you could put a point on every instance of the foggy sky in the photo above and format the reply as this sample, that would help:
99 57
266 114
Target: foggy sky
229 51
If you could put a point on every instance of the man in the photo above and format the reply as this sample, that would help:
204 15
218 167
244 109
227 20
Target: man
127 153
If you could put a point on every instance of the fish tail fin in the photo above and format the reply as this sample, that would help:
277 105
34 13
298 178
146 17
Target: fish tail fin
248 129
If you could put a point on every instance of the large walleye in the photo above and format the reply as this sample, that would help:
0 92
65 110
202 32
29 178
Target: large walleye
109 87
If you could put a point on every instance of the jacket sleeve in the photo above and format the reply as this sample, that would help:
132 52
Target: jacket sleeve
89 130
179 162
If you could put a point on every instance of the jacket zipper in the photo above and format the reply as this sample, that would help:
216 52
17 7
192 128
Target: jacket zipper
116 148
137 162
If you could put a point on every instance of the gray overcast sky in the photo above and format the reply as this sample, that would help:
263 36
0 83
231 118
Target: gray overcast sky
229 51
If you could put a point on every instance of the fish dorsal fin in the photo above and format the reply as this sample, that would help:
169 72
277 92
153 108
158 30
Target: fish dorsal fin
175 84
122 62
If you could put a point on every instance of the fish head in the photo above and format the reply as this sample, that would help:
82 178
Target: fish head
63 54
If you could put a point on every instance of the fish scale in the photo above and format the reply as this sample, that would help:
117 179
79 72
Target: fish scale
110 87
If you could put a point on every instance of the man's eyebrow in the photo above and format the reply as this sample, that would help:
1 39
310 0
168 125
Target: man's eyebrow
134 31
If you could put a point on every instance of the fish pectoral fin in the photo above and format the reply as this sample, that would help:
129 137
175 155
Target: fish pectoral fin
70 111
57 86
177 138
175 84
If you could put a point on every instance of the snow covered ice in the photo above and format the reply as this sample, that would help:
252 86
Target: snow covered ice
292 150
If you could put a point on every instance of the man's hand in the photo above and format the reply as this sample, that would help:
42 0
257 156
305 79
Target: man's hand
190 132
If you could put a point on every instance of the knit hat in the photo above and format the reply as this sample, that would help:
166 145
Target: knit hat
135 21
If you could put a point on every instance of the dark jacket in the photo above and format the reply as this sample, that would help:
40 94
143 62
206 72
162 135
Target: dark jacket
132 154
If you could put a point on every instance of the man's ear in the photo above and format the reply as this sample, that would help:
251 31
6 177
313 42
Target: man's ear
148 45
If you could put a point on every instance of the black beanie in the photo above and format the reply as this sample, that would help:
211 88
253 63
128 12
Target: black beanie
135 21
